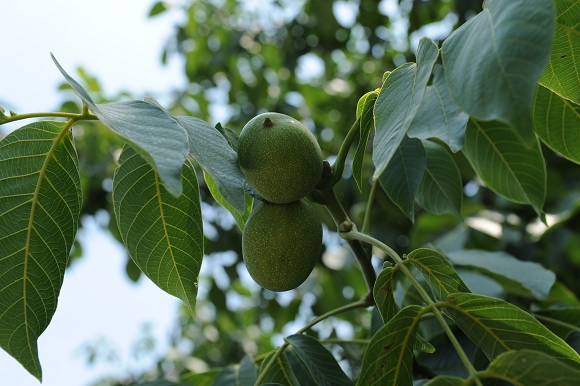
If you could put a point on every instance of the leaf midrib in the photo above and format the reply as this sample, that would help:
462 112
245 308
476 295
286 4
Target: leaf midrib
166 236
34 203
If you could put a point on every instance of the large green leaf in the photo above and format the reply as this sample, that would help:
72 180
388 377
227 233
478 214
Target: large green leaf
497 326
438 272
388 359
244 374
494 61
280 373
556 121
299 368
562 75
364 112
200 379
220 199
552 317
505 164
520 277
213 152
153 133
398 102
383 292
439 116
532 368
322 365
403 175
163 234
440 190
40 202
445 380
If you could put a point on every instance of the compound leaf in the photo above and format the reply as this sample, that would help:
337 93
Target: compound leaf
163 233
40 202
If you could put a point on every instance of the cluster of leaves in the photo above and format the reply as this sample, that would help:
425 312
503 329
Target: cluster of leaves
483 99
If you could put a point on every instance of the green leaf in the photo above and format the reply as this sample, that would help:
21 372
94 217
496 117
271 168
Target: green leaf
243 374
403 174
384 294
568 315
219 198
229 135
40 202
163 234
322 365
364 112
493 61
560 295
497 326
505 164
562 75
161 382
439 116
200 379
211 150
158 8
556 121
248 372
154 134
281 373
388 359
532 368
299 368
398 102
521 277
440 190
445 380
573 339
438 272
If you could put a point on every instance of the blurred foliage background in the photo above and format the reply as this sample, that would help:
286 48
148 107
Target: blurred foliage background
313 60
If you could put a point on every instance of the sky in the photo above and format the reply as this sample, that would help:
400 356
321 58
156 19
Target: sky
115 41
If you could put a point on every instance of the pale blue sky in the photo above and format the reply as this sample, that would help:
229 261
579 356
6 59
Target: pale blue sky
115 41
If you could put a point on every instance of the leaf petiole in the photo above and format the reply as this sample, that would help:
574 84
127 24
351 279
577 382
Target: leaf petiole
338 165
84 116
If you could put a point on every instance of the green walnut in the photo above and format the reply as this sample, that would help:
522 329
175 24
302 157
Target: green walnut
279 157
281 243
